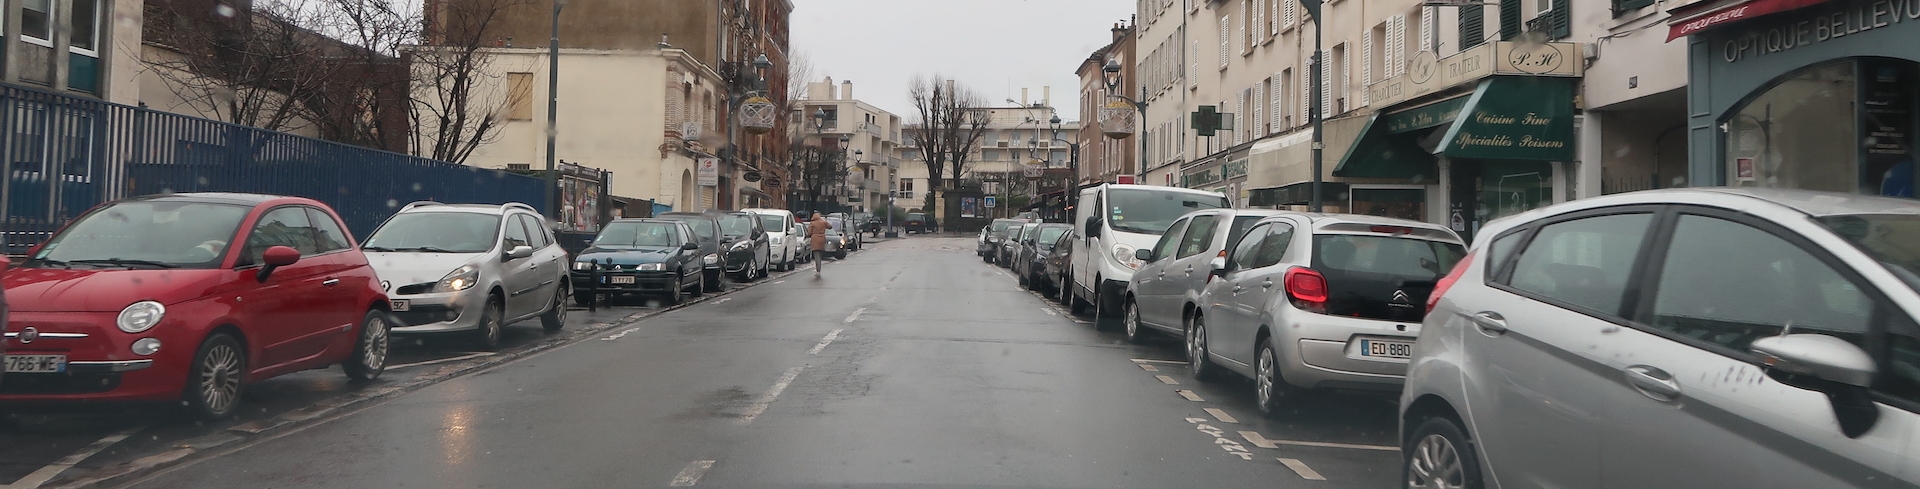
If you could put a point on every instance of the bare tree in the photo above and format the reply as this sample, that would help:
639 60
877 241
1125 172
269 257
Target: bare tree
366 100
951 119
451 113
248 66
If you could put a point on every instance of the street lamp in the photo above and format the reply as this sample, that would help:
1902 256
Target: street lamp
553 110
842 172
1111 75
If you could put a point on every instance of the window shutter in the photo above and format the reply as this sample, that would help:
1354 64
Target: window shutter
1562 19
1473 25
1239 111
1193 65
1623 6
1396 46
1326 84
1273 16
1426 27
1509 20
1259 22
1240 40
1274 96
1346 78
1366 60
1226 38
1259 110
1288 19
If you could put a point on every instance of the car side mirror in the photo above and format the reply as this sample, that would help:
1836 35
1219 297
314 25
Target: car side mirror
1217 266
1143 254
274 258
519 252
690 246
1093 227
1819 356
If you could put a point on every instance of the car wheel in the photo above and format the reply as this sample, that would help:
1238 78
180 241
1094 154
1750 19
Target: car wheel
491 319
676 291
556 316
583 299
1074 304
1022 279
370 352
216 381
1062 293
1203 369
1134 334
986 258
1440 456
1269 388
1100 314
714 282
842 255
700 288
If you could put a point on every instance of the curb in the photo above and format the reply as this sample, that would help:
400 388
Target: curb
322 411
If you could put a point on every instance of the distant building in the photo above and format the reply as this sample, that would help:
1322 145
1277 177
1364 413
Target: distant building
1104 159
872 154
73 46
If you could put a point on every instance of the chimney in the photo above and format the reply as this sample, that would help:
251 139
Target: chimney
832 92
1023 96
1119 31
1046 95
846 90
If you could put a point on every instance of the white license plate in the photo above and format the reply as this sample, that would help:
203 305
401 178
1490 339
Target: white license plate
401 305
620 280
36 364
1386 349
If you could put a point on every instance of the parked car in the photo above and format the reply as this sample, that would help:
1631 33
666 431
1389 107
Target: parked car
797 240
919 222
848 226
706 227
1113 220
1174 271
778 224
149 299
994 233
469 268
1318 301
1059 266
748 249
1010 248
658 257
4 265
1030 264
1676 338
837 241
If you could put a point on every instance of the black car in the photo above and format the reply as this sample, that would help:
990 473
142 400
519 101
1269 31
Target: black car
748 251
919 222
992 235
1035 248
1010 246
706 226
640 256
1059 264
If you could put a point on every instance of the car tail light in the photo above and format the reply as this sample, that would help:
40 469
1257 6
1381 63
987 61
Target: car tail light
1440 288
1308 288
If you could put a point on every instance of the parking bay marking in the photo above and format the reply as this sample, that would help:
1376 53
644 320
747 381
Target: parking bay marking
1049 311
1302 469
1171 362
1222 416
1220 439
47 473
723 299
1257 440
1149 368
620 334
454 359
1167 380
1190 395
831 335
760 405
691 475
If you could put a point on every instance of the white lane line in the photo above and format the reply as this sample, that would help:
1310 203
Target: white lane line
855 316
444 360
1167 380
778 282
47 473
1190 395
1222 416
723 299
1149 368
1171 362
831 335
1082 321
1302 469
1049 311
760 405
691 475
620 334
1261 441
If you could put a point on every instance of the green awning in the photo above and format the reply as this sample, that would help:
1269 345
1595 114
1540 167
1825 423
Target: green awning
1425 116
1515 118
1378 153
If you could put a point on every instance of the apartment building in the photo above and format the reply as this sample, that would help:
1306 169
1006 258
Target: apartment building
872 156
1109 152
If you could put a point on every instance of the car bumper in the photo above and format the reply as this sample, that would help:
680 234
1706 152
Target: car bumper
1328 352
100 365
438 312
643 282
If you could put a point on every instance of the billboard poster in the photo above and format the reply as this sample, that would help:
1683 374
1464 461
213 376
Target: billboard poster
969 206
708 172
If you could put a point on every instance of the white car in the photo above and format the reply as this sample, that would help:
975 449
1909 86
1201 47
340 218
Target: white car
469 268
780 237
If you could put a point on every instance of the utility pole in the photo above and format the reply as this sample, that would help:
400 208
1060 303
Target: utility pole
1314 203
553 110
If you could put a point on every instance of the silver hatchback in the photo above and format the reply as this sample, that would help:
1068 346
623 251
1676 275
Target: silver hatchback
1675 339
469 268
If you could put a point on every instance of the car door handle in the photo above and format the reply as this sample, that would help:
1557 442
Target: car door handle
1489 322
1653 383
1266 284
1237 289
330 282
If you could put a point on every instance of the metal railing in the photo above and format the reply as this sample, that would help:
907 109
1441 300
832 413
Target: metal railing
65 154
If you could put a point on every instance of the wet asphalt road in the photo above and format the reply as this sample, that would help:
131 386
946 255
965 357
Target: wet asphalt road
911 363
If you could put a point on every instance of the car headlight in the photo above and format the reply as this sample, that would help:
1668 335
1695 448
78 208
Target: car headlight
1124 254
742 245
460 279
651 267
711 258
141 316
775 240
583 265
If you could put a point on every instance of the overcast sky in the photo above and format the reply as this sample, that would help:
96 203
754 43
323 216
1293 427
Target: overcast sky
996 47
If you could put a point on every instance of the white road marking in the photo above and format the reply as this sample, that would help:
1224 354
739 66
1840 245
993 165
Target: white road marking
1302 469
831 335
1149 368
855 315
1081 321
778 282
1222 416
1188 394
1220 439
444 360
723 299
1171 362
623 332
1167 380
691 475
1261 441
47 473
1049 311
760 405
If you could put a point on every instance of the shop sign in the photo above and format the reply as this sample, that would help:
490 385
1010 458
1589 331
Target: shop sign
1233 169
1202 177
1516 118
1800 31
1425 116
1427 75
708 172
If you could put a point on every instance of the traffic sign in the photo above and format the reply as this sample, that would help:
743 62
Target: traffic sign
990 202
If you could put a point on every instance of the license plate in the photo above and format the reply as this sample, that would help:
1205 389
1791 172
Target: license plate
36 364
401 305
620 280
1386 349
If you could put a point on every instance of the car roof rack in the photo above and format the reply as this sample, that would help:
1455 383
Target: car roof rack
423 203
517 205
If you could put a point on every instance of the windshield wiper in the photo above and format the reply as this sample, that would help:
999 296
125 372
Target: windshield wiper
119 261
375 248
426 249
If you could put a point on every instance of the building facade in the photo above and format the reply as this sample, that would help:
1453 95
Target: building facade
869 168
81 47
1104 158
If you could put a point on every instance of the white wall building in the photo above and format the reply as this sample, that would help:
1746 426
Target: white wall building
872 153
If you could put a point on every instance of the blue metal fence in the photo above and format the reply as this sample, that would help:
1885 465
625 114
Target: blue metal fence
66 154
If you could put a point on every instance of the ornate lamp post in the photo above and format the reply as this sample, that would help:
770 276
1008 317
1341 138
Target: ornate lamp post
1111 75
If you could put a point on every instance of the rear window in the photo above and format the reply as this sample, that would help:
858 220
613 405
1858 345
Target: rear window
1381 277
1049 235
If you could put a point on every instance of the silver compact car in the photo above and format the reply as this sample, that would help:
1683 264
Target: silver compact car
1173 273
477 268
1318 301
1708 337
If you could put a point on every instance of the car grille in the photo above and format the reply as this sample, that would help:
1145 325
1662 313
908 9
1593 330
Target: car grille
415 289
18 383
426 314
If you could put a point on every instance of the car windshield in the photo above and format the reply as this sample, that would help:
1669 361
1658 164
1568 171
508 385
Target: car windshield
773 223
635 235
1153 211
702 227
147 234
440 232
736 225
1894 240
1381 277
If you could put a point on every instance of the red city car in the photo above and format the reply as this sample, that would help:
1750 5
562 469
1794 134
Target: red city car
144 299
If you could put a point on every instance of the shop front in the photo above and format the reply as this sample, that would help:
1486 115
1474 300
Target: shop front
1806 94
1226 175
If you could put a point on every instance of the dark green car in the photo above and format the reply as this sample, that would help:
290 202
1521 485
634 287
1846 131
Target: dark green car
658 257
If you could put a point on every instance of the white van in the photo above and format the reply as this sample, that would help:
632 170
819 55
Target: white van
1110 222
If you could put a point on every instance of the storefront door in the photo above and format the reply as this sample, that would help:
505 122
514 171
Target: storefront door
1484 190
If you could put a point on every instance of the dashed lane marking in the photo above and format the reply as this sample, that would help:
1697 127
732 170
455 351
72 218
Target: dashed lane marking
1190 395
856 315
778 282
691 475
1149 368
1302 469
760 405
47 473
445 360
1222 416
1167 380
831 335
1170 362
1049 311
723 299
1261 441
620 334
